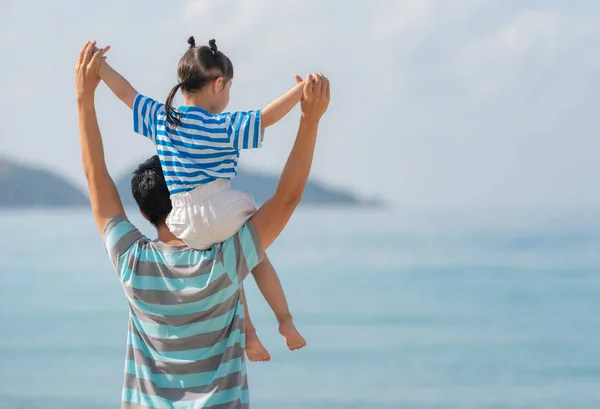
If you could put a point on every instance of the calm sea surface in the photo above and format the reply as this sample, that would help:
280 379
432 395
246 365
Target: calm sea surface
496 309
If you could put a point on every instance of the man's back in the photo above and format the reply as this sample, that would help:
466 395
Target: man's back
185 345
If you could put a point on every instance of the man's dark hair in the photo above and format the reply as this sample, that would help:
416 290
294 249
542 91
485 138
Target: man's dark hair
150 191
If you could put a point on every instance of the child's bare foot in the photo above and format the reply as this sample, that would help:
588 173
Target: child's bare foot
293 339
255 351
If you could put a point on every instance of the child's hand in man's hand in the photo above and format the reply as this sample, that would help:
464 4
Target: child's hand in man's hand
316 96
86 69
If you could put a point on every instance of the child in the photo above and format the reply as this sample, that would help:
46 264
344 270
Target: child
199 150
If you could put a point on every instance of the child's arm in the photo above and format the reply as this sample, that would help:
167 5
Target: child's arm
145 110
282 105
117 84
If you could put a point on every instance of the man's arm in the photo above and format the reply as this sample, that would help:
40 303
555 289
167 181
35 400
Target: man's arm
279 108
104 198
274 214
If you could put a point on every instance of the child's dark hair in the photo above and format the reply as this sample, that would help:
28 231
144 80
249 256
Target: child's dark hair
197 68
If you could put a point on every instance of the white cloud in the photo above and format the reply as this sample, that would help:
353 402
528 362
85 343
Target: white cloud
531 40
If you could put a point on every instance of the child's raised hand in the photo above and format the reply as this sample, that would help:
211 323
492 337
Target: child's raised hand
300 86
103 50
103 59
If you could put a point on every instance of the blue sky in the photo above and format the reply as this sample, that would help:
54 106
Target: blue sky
435 102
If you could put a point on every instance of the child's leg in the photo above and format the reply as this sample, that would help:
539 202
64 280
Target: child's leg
270 286
255 351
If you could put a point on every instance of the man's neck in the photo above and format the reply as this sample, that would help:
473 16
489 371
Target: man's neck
165 235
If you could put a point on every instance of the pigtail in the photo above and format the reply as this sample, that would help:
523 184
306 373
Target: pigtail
172 114
212 44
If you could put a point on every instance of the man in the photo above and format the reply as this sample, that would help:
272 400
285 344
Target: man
185 336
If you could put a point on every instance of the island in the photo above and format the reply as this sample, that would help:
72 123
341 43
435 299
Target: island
24 186
262 186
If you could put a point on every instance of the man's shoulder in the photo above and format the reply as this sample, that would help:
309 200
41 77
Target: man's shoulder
119 227
119 237
243 251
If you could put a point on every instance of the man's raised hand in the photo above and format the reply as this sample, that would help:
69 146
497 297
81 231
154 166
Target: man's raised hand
86 69
316 96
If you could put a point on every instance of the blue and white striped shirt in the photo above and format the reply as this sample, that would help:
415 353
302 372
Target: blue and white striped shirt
203 147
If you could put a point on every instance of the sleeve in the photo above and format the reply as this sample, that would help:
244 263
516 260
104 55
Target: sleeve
242 252
119 236
145 116
245 129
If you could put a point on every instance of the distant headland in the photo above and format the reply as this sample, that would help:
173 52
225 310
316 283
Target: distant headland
23 186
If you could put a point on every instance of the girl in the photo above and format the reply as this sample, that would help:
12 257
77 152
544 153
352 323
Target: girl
199 149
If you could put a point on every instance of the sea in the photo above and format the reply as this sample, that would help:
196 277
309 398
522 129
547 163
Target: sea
452 308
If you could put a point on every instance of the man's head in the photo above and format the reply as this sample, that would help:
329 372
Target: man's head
150 191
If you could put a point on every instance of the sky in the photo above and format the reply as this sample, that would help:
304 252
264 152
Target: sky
434 102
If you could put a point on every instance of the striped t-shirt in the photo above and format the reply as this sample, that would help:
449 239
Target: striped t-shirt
185 341
203 147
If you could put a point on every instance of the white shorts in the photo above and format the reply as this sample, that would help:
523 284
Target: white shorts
209 214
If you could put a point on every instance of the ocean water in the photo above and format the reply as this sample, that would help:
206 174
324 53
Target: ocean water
454 309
